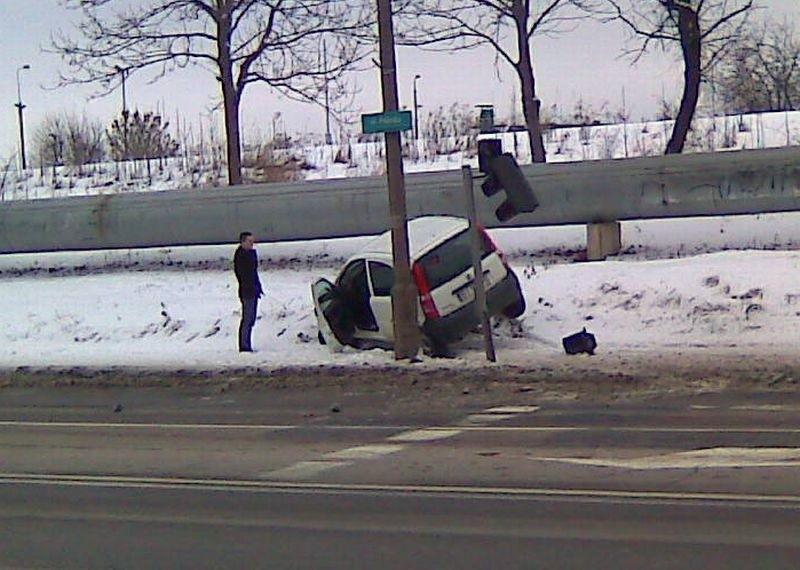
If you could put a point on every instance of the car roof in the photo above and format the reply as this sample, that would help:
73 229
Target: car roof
424 233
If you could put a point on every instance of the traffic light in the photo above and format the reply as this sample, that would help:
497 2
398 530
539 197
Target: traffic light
503 173
487 150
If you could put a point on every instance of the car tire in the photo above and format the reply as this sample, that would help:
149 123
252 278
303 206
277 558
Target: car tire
434 347
515 309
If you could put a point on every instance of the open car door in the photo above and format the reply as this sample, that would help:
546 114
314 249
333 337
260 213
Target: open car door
334 317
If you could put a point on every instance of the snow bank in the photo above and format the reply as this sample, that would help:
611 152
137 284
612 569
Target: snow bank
745 301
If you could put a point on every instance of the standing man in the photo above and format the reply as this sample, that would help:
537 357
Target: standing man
245 265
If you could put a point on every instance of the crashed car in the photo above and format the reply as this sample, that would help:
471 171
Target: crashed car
356 310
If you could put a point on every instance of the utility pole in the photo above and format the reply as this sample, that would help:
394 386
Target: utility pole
416 108
404 292
123 74
20 106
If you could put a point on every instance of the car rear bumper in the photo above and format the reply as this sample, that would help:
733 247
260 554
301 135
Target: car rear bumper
454 326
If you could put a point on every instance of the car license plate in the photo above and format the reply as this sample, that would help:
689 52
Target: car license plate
466 293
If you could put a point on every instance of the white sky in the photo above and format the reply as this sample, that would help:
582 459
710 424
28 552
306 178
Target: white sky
583 64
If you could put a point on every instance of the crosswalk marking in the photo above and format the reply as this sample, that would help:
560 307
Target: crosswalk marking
710 458
512 410
304 469
347 457
364 451
425 434
486 418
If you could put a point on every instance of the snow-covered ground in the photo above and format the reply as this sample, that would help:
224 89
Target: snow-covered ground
177 308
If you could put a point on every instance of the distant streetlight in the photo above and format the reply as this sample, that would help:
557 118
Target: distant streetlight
416 108
20 106
328 136
123 74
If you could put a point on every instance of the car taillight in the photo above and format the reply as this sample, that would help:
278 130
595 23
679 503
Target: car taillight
491 246
428 306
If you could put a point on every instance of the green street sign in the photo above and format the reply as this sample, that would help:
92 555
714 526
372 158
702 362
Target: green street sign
387 122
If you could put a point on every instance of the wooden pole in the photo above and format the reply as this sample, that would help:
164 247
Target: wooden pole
404 292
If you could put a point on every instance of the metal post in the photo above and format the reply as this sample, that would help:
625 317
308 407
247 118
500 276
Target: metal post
477 267
55 154
624 122
20 106
328 136
123 74
404 292
416 108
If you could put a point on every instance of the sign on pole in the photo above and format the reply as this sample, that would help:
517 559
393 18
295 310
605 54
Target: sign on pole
386 122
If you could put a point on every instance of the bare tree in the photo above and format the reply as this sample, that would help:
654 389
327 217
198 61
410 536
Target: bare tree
704 29
240 41
762 73
68 140
507 26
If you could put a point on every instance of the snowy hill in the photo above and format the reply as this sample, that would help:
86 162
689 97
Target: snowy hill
203 167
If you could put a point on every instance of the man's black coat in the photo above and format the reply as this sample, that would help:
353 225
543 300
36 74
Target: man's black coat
245 265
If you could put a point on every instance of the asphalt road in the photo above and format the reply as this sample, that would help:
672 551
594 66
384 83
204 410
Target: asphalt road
183 478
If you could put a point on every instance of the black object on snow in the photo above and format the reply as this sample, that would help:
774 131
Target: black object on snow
579 342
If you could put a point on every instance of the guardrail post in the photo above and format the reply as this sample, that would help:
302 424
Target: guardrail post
603 239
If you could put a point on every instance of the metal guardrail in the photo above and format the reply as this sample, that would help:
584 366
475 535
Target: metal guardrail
737 182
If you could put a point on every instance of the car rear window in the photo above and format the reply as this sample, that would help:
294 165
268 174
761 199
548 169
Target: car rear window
452 258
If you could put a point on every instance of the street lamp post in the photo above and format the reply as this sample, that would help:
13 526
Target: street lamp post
328 136
123 74
20 106
416 108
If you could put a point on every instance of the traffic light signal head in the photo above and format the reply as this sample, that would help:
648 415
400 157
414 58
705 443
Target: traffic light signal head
488 149
504 174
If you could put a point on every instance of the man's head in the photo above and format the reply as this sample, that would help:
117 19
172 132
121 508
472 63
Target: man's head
246 240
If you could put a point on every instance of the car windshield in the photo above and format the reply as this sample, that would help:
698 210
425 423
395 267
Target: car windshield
451 258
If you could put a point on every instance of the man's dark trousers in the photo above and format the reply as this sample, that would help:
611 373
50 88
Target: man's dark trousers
249 310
